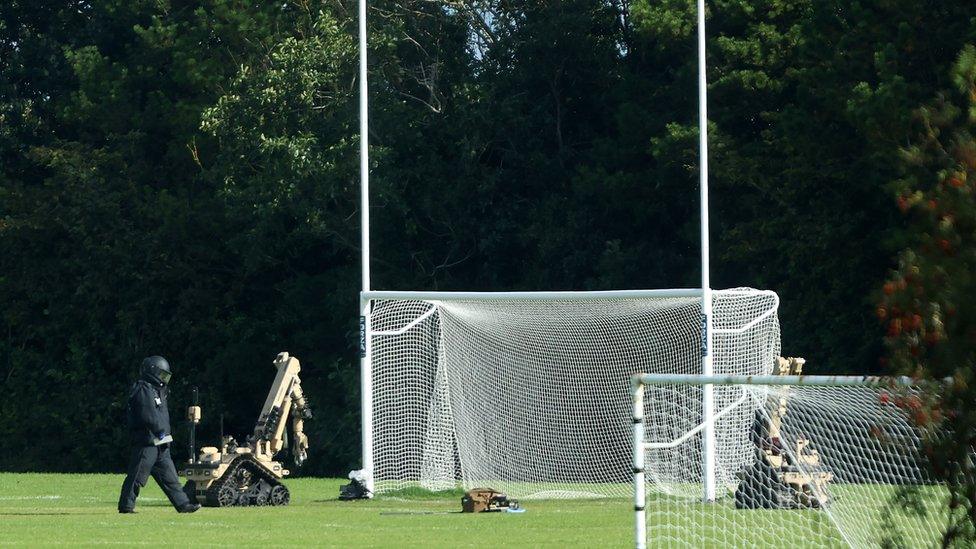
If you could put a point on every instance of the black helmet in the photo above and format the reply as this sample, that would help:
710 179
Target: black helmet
156 368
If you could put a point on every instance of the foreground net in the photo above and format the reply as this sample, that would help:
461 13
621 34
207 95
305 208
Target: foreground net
814 466
528 393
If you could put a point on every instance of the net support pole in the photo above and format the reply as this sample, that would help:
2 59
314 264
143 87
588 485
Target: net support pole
365 360
640 495
777 380
708 403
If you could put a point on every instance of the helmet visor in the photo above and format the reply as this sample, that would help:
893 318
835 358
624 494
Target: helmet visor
164 376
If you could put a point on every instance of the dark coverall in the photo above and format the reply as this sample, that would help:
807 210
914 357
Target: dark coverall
149 415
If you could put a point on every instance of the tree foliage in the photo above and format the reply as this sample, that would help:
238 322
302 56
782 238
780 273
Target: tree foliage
181 177
927 302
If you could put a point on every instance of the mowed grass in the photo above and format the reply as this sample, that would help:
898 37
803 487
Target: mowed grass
52 509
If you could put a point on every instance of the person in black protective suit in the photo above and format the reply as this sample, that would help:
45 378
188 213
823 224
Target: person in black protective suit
150 437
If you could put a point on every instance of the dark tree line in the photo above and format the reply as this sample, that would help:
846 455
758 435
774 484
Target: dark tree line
181 178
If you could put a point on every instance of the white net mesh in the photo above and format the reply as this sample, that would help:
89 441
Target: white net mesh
811 466
530 396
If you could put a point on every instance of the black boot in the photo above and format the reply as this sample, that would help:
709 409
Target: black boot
189 508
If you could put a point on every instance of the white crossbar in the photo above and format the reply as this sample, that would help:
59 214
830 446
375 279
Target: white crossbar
532 296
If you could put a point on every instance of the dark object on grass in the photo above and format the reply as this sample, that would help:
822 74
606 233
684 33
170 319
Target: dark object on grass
356 489
486 500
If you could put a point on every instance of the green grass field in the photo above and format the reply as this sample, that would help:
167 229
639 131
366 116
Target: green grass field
53 509
48 509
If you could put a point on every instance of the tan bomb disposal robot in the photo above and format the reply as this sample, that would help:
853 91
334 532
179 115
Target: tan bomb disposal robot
249 475
787 473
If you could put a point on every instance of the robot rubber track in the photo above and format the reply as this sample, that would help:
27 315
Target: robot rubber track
261 488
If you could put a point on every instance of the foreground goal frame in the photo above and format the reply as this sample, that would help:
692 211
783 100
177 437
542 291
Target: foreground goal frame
640 445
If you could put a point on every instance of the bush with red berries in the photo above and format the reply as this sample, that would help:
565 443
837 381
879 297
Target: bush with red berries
928 304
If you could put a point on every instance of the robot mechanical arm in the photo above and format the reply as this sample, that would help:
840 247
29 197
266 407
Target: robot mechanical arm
300 411
285 398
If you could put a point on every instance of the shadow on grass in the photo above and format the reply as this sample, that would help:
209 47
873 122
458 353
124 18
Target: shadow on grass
412 493
422 494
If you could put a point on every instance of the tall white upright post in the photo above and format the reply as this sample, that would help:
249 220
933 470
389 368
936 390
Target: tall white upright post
640 489
708 405
365 351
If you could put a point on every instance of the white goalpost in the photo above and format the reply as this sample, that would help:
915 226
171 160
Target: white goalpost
365 366
708 399
700 358
814 461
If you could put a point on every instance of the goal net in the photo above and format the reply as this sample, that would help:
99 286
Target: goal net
811 461
528 392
